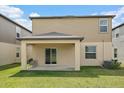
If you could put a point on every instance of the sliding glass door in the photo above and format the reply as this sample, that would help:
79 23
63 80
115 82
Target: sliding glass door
50 56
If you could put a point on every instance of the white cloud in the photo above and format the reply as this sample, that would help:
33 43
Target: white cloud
11 11
118 12
108 13
15 14
117 19
115 23
33 14
24 22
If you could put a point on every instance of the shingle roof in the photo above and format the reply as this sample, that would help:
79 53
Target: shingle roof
59 17
118 26
52 36
14 22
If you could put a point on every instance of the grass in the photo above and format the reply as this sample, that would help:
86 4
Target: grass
11 76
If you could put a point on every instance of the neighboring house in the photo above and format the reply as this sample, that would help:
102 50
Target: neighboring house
9 45
118 42
68 42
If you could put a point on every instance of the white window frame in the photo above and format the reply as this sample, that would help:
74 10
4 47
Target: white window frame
103 25
18 51
90 52
116 35
50 57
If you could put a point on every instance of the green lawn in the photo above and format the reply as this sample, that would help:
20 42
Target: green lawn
11 76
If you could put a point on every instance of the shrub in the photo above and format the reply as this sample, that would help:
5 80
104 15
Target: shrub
114 64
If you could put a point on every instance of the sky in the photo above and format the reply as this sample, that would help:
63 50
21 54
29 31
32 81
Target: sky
21 13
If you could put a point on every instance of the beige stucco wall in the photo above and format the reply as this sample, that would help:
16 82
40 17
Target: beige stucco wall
65 54
87 27
68 49
8 42
8 53
8 31
25 33
29 51
103 52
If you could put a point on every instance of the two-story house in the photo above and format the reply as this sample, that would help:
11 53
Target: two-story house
68 42
9 45
118 42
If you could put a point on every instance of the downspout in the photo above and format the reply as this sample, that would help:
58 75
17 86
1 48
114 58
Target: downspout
103 50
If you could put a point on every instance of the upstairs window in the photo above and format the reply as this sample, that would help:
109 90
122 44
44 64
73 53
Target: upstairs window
18 31
117 35
103 24
17 34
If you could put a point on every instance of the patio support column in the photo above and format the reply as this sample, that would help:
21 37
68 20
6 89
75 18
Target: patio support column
23 56
77 56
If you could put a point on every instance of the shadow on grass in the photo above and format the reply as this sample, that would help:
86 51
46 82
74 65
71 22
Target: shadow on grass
8 66
84 72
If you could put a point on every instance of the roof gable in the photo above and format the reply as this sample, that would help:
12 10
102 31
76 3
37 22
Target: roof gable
53 34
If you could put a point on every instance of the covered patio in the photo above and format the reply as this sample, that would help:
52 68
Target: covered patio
53 68
52 51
